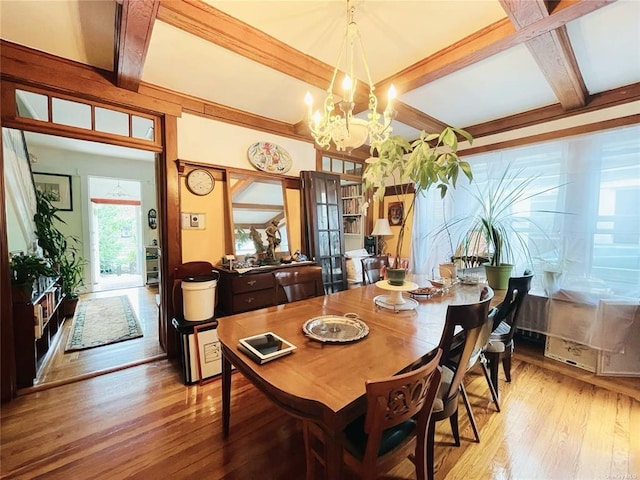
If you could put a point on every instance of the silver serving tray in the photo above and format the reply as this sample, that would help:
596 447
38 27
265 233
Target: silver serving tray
335 328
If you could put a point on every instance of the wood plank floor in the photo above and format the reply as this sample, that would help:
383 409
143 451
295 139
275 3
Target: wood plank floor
61 367
143 423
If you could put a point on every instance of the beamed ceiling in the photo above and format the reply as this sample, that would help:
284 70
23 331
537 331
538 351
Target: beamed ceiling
485 65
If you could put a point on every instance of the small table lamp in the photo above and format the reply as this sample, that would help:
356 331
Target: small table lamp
380 229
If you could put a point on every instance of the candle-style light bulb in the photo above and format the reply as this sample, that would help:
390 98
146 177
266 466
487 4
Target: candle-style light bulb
317 117
391 94
308 99
346 84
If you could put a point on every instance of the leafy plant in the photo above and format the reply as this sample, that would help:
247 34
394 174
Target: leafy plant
63 250
25 269
414 168
491 230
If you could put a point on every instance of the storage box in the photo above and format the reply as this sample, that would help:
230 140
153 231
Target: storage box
571 353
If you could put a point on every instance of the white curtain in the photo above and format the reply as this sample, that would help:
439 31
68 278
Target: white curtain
19 182
595 246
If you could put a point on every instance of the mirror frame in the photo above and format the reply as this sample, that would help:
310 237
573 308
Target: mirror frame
256 176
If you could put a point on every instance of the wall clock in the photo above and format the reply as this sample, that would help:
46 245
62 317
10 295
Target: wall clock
200 182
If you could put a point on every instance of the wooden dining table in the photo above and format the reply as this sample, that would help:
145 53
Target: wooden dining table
324 382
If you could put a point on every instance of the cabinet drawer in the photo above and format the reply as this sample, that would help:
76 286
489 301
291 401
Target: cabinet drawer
244 302
251 283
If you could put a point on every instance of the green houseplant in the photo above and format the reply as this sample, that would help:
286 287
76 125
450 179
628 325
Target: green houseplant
63 250
25 270
414 168
494 230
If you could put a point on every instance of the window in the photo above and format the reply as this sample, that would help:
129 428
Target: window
598 242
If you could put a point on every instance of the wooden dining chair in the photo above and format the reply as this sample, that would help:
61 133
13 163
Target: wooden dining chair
394 426
372 268
299 283
505 321
470 319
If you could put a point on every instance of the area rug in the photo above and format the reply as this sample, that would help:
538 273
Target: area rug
102 321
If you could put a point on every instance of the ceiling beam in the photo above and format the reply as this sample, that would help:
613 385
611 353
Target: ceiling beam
552 52
215 26
485 43
135 20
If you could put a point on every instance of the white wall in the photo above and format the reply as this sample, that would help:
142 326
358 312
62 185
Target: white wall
217 143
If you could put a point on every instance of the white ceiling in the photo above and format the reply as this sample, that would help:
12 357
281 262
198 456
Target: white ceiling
396 34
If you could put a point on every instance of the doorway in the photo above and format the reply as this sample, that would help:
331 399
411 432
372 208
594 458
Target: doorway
116 243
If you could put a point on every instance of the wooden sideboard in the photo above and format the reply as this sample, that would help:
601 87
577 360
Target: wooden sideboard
251 290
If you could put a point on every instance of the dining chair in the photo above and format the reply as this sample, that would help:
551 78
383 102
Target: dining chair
398 412
462 321
505 321
372 268
299 283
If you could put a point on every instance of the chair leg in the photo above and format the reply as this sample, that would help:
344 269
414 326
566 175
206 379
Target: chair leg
506 366
453 420
494 362
472 419
492 387
431 439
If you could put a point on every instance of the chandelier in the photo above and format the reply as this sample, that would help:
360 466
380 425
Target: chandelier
342 127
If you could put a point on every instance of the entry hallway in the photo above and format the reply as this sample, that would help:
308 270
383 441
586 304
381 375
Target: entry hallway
557 422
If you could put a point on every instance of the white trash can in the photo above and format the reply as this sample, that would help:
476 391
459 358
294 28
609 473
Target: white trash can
198 297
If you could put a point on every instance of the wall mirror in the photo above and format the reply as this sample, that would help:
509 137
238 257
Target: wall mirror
258 212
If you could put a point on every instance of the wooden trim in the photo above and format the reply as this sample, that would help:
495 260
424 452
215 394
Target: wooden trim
168 198
114 201
552 52
11 119
610 98
485 43
544 137
133 34
205 108
8 385
24 65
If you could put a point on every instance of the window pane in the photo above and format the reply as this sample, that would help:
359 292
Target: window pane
336 166
111 121
32 105
73 114
142 128
326 164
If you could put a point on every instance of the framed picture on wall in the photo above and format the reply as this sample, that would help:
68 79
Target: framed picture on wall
395 213
58 187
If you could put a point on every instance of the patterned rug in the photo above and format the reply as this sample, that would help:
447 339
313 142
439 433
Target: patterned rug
102 321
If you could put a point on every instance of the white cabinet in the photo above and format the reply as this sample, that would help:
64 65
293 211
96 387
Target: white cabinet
352 217
151 265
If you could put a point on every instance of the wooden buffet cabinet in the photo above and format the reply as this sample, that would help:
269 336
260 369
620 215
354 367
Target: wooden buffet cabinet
251 290
35 324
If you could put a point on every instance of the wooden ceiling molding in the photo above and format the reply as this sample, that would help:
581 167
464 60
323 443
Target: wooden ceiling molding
209 23
552 51
485 43
135 19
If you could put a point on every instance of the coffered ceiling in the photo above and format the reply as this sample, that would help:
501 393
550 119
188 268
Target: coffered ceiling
466 63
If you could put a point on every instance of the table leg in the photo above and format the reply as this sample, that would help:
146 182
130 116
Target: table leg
333 461
226 395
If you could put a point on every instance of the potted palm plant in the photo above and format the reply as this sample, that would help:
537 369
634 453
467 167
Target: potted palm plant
414 168
494 230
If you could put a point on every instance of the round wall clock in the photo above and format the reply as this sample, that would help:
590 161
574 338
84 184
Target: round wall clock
200 182
269 157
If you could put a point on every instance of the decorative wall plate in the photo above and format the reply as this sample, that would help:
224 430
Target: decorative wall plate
269 157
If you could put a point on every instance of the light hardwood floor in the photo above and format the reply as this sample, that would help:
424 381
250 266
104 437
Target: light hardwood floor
557 423
60 367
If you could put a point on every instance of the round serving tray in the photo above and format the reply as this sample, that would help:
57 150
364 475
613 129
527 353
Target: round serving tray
335 328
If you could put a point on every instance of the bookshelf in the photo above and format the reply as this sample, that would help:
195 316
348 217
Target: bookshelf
151 265
352 217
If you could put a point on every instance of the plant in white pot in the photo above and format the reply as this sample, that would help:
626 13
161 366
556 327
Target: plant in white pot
413 168
494 228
